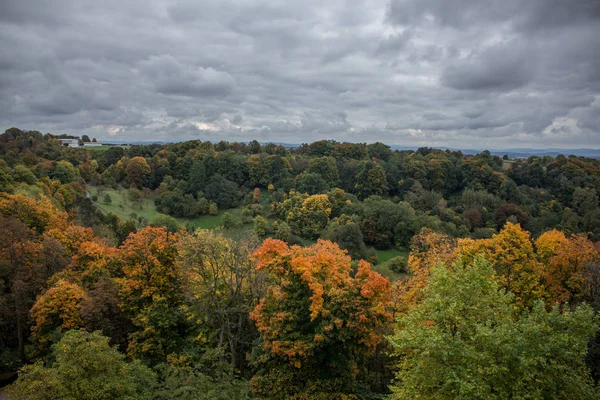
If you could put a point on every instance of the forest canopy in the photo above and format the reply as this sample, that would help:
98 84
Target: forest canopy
327 271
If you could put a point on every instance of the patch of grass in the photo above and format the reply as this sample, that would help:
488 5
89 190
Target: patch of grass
386 255
382 266
104 148
121 205
212 221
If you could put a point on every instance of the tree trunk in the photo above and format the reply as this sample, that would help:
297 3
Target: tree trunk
21 338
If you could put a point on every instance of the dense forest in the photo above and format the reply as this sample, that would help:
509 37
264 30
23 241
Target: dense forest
229 270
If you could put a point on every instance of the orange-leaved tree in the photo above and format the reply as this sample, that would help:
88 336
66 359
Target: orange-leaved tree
318 321
56 311
518 270
564 260
150 294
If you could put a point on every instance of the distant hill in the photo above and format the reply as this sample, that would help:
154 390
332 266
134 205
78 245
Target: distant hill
511 152
521 153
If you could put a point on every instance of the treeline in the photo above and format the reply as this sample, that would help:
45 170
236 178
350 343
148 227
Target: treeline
441 190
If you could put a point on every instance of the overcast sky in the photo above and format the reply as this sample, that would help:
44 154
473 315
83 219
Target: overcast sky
458 73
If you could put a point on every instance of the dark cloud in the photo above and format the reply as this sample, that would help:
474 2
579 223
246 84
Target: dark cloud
502 67
466 73
169 76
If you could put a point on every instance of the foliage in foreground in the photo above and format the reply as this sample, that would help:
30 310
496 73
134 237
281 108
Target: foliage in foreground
85 367
465 340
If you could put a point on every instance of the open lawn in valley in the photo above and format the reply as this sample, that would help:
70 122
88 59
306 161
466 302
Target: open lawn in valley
383 258
122 206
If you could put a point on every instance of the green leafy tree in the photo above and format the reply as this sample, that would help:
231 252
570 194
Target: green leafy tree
261 225
23 174
65 172
585 200
465 341
166 221
198 177
326 167
311 183
113 155
380 151
228 220
311 217
222 191
349 237
370 180
85 367
282 230
221 286
185 382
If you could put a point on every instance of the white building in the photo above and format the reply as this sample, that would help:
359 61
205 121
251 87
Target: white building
69 142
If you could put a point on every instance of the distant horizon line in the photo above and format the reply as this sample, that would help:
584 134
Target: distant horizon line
392 146
591 152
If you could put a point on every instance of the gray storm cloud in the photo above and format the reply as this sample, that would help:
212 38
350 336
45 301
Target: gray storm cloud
466 73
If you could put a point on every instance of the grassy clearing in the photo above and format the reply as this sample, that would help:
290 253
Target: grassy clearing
212 221
382 266
104 148
386 255
121 205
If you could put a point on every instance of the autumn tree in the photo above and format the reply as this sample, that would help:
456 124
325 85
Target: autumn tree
256 195
150 294
137 170
96 265
564 260
465 340
511 253
317 321
56 311
38 215
518 270
311 217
